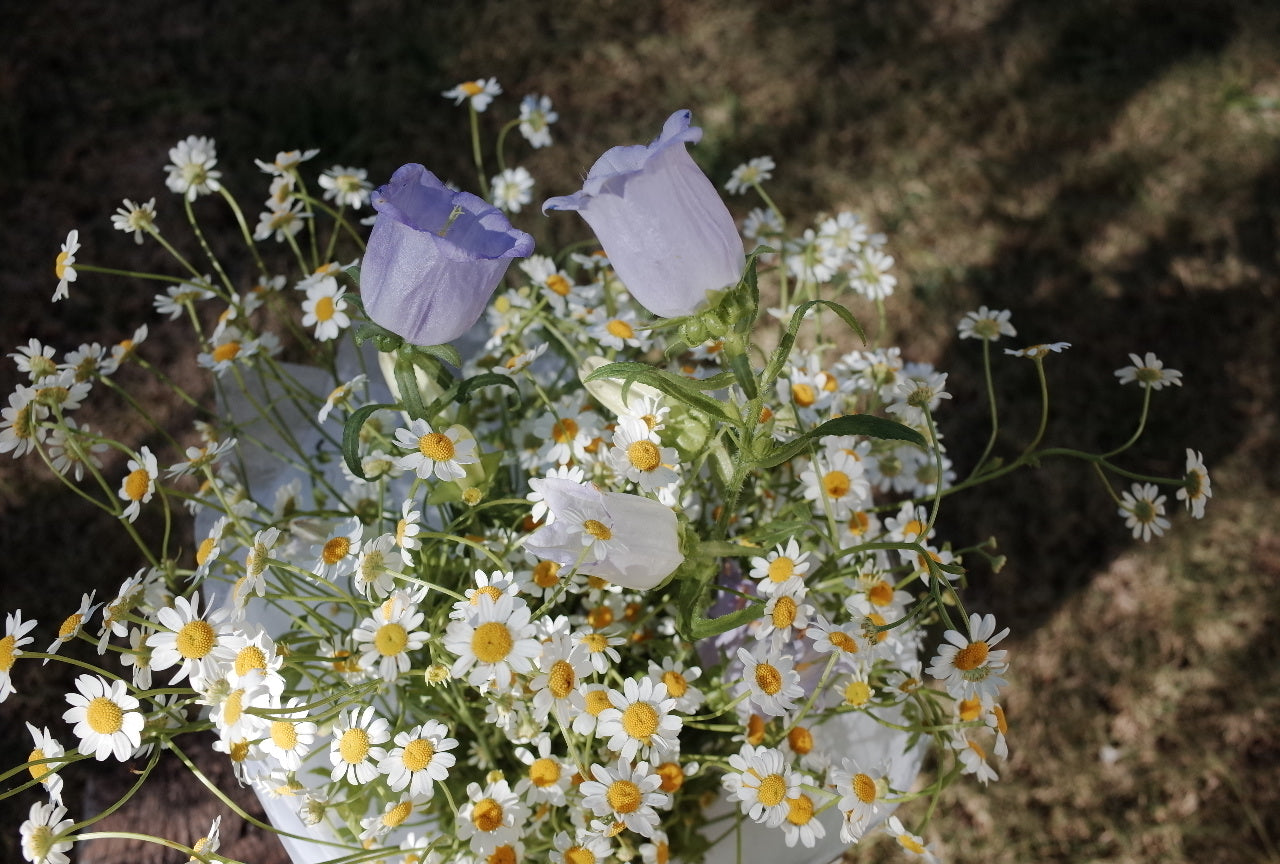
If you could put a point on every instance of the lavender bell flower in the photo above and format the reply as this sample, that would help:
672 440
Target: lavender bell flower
668 235
434 257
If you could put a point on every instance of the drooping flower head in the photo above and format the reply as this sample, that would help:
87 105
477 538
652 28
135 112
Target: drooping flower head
664 228
434 258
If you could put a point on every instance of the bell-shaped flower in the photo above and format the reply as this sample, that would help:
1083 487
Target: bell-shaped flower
434 257
626 539
666 231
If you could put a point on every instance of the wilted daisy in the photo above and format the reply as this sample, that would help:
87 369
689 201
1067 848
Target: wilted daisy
441 454
973 756
355 750
190 169
512 189
968 666
479 93
536 117
1149 372
1143 510
1195 489
107 720
627 794
64 265
861 797
346 187
42 841
640 721
912 844
761 782
1035 352
769 679
419 758
749 174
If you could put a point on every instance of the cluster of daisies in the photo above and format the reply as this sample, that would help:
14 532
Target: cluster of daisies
453 638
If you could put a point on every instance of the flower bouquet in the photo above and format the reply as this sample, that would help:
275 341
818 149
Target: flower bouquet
627 552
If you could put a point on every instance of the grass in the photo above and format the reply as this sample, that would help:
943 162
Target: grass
1110 171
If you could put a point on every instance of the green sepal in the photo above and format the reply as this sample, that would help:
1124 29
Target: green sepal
676 386
351 436
850 424
445 353
384 340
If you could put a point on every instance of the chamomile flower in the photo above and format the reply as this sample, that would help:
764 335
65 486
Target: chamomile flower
785 614
861 797
107 720
15 636
21 428
346 187
419 758
337 555
627 794
289 735
1143 510
836 484
45 746
356 750
1149 372
341 396
912 844
640 721
801 824
136 218
749 174
1195 489
64 265
639 457
557 689
785 563
388 637
42 840
967 665
441 454
769 679
1036 352
325 309
549 776
973 756
512 189
190 169
986 324
479 93
197 644
871 277
73 623
493 643
491 817
677 677
281 220
207 845
761 782
536 117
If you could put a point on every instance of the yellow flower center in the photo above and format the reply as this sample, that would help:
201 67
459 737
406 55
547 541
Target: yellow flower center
644 455
436 446
226 351
781 569
70 626
39 842
913 529
335 549
1002 723
239 751
772 790
565 430
865 788
784 612
755 730
620 328
857 693
859 522
803 394
546 574
843 641
640 721
601 616
971 656
623 796
284 735
880 594
878 620
911 844
579 855
970 709
597 701
195 639
418 754
324 309
768 679
491 642
233 707
559 285
390 639
836 484
204 550
353 746
672 776
61 263
472 88
677 686
595 643
561 678
597 529
39 772
800 739
137 484
248 658
800 810
487 815
104 716
544 772
397 814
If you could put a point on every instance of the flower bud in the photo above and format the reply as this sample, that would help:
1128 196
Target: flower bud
434 258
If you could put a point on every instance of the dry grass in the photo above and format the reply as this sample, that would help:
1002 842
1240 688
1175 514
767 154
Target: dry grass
1110 171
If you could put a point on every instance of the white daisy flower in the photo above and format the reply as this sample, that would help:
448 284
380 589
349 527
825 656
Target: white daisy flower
190 171
441 454
73 623
640 721
564 665
761 782
769 679
290 735
536 117
861 797
549 778
419 758
1143 510
346 187
337 555
491 817
1196 488
639 457
45 746
64 265
512 189
139 484
676 676
107 720
986 324
784 563
326 309
479 92
135 218
912 844
355 750
42 842
198 643
389 636
1149 372
627 794
801 824
968 666
582 849
493 643
749 174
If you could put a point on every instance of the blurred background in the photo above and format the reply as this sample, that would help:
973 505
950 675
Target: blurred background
1109 170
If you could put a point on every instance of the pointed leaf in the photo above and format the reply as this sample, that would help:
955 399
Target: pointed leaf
850 424
675 386
351 436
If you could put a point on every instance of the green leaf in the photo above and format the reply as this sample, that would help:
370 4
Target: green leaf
407 383
445 353
351 436
788 340
676 386
850 424
484 379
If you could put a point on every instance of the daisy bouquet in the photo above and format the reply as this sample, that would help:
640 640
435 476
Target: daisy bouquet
597 556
